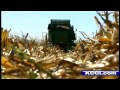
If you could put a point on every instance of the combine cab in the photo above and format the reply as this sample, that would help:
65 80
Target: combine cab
61 33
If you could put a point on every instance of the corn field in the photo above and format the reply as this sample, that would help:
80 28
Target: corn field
31 59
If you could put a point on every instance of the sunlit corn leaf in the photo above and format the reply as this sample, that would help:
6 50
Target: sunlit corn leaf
12 77
104 39
5 39
109 77
6 62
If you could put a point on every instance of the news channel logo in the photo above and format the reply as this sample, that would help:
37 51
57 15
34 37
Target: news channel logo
102 73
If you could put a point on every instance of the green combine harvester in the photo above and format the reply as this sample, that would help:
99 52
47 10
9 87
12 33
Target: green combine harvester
61 33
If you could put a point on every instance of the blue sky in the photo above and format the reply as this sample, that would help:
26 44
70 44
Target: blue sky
36 22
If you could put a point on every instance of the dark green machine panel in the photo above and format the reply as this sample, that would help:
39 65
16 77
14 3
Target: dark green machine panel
61 32
60 36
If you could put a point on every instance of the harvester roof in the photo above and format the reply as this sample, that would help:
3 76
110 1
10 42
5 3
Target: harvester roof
60 21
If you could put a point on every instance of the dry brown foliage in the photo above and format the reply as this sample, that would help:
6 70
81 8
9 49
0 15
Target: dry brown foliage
30 59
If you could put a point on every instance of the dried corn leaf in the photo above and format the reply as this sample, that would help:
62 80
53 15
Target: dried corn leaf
104 39
109 77
5 61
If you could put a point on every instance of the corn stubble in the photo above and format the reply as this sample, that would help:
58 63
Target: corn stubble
30 59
